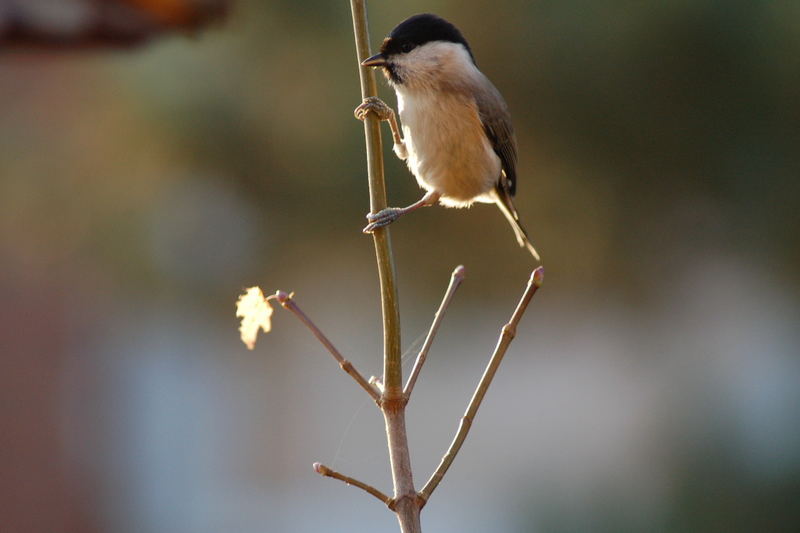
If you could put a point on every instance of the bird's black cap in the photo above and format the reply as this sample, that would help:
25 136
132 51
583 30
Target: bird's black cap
418 30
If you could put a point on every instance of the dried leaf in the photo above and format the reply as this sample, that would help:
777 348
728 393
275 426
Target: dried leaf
255 312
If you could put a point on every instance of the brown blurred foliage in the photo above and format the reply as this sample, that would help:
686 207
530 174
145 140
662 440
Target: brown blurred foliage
100 23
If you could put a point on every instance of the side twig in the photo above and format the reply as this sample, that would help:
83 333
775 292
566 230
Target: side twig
327 472
287 302
455 281
506 336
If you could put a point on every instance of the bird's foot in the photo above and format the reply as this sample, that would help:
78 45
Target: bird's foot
382 218
373 104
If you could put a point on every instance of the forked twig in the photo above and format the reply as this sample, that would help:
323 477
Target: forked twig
455 280
506 336
287 302
323 470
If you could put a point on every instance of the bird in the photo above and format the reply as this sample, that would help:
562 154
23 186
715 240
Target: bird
457 138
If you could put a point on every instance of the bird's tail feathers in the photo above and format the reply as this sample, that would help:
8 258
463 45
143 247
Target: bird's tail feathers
504 202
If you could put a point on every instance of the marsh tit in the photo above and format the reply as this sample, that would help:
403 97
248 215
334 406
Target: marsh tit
457 137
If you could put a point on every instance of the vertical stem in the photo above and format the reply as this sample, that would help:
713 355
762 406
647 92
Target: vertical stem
377 199
407 504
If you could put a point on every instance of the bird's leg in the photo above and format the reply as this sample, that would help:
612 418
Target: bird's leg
373 104
390 214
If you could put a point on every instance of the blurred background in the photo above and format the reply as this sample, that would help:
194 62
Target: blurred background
654 385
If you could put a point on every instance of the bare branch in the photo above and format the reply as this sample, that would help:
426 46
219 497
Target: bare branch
327 472
506 336
287 301
455 281
392 400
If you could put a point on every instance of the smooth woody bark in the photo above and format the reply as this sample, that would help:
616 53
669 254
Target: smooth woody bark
393 402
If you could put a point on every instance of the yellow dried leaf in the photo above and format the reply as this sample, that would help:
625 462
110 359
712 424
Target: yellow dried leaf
255 312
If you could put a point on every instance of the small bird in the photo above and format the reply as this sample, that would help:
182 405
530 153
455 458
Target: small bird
457 137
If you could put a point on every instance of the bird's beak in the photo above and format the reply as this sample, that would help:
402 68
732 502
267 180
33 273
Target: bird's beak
378 60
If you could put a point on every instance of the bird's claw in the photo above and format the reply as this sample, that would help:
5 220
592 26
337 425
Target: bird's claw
382 218
373 104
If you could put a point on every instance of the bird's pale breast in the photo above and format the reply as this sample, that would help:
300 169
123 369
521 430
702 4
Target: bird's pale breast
448 151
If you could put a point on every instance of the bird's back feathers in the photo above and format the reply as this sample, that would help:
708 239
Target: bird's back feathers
496 122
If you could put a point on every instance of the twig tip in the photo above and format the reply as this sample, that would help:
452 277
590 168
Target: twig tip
460 272
283 297
321 469
537 277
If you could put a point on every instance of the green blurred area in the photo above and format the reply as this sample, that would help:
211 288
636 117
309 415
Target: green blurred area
627 113
655 138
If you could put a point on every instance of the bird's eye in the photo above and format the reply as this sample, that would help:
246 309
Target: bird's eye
406 47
